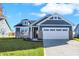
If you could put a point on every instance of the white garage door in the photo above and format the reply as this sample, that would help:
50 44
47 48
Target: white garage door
55 33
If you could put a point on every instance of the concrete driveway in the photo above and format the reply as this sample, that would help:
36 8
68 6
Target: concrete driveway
61 48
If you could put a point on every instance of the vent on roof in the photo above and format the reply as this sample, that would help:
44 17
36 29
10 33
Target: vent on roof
55 18
59 18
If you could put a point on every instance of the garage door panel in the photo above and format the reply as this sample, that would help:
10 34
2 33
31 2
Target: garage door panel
63 34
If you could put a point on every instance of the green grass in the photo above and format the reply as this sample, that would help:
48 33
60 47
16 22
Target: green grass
19 47
76 39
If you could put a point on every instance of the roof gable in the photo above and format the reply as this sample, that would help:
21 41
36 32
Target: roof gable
4 18
41 19
77 28
56 19
24 20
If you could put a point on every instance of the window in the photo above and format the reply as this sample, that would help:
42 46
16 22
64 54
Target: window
18 29
25 22
52 29
64 29
46 29
55 17
24 29
58 29
59 18
51 18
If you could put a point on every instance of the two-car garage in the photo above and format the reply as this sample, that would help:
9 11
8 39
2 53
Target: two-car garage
55 33
54 27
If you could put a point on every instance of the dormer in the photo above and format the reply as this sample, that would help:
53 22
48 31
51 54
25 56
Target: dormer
25 22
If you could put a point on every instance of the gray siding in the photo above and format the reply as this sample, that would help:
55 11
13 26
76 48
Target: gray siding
70 33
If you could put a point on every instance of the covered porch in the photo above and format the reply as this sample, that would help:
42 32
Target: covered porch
36 33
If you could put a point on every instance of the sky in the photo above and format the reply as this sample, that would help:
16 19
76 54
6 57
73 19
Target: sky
15 12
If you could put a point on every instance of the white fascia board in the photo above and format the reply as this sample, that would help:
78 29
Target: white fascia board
53 25
44 20
38 20
20 26
66 20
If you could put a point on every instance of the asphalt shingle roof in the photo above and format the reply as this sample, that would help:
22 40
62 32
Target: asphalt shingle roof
41 19
60 22
19 24
30 21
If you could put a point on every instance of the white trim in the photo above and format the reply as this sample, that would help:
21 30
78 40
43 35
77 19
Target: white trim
34 26
44 20
31 32
21 26
38 20
57 15
53 25
65 19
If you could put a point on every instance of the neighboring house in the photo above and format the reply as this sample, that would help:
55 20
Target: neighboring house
77 31
4 27
48 27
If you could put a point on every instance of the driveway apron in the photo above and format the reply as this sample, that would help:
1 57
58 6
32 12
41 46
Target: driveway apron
60 47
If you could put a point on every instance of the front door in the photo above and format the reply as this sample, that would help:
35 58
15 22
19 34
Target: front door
35 32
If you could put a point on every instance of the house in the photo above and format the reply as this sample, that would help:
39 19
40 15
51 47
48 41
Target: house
23 29
4 26
76 31
51 26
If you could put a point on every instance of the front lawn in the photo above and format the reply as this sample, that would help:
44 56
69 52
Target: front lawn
19 47
76 39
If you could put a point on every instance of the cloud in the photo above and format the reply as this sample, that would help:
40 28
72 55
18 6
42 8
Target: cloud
38 14
62 8
37 4
76 14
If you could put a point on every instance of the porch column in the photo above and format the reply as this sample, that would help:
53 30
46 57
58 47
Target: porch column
31 30
39 33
